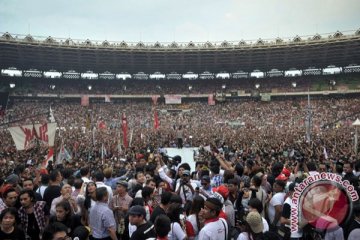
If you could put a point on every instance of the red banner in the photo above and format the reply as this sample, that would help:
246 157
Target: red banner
124 127
85 100
211 100
156 120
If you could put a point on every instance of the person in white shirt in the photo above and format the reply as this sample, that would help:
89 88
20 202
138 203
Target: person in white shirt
185 188
99 180
215 228
286 214
276 203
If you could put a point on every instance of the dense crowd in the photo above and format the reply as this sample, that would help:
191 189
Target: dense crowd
252 156
199 86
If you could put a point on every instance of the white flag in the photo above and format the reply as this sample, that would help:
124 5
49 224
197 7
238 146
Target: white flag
25 136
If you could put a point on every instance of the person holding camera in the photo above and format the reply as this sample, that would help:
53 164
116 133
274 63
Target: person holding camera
185 188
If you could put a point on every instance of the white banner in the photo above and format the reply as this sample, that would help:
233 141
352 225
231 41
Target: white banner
172 99
25 136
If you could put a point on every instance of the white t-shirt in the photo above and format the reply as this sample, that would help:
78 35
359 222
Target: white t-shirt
265 224
299 233
277 199
214 230
192 220
176 232
244 236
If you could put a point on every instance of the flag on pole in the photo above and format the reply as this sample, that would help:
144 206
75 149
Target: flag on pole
51 115
156 120
103 152
325 154
48 157
63 154
124 127
308 121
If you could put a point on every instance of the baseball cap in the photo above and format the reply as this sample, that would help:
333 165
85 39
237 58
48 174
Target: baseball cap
281 177
255 222
222 190
122 183
137 211
286 172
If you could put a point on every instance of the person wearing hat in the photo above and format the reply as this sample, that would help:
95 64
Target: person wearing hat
120 204
185 188
228 207
252 228
144 230
215 227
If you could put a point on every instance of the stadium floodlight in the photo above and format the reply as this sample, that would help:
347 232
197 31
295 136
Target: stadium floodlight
12 85
257 86
223 86
294 84
190 87
52 87
89 87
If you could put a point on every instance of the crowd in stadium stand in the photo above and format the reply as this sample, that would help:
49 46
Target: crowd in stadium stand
129 87
252 156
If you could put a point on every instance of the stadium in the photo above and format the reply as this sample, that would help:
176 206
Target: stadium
245 114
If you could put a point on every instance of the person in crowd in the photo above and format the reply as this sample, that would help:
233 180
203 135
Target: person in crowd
33 214
9 221
99 180
85 174
120 205
54 188
64 214
256 206
101 218
286 216
354 228
185 187
228 208
252 228
214 227
194 216
162 207
276 204
144 229
9 198
178 231
28 184
56 231
162 227
44 182
87 200
66 191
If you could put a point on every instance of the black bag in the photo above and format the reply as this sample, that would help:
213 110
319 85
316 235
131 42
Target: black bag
284 232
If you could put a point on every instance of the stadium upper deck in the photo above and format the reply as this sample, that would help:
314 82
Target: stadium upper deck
27 52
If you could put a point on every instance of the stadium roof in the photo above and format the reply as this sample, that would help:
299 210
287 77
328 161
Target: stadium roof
27 52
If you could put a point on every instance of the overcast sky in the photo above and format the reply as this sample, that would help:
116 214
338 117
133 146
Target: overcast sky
181 21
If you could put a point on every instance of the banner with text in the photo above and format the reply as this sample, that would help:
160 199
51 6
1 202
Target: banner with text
25 136
172 99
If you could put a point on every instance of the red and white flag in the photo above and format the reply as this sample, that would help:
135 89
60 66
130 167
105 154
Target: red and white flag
48 157
24 136
124 127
